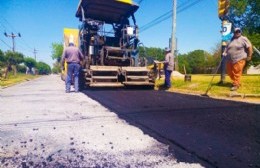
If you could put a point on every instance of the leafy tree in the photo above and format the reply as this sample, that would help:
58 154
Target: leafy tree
43 68
197 61
155 53
255 39
21 68
184 64
56 68
246 14
57 49
30 63
2 58
12 59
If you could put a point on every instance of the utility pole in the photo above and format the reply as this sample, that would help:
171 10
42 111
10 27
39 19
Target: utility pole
173 39
223 8
34 52
12 35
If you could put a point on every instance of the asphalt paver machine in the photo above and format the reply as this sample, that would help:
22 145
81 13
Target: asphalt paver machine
108 39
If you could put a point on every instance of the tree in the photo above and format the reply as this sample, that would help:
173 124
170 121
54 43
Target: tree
197 61
246 14
12 59
151 54
2 61
57 50
30 63
183 63
2 58
43 68
56 68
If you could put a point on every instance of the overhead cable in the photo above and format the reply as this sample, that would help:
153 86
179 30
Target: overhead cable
167 15
6 44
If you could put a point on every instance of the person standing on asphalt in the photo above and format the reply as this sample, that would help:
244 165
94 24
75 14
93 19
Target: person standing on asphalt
72 56
168 67
238 51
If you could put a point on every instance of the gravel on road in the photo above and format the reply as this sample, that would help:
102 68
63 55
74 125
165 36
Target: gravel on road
42 126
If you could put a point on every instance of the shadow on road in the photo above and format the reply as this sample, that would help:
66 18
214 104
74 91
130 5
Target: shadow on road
215 133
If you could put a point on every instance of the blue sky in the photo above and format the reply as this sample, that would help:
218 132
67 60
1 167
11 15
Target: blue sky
41 23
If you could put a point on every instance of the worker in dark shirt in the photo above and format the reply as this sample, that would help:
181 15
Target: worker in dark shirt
72 56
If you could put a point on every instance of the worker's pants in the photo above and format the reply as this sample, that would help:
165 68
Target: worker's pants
167 81
235 71
73 72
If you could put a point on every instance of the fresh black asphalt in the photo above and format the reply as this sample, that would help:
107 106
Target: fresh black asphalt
218 133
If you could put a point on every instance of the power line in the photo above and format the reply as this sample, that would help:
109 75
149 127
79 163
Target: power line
167 15
9 25
188 6
140 2
6 44
156 21
12 28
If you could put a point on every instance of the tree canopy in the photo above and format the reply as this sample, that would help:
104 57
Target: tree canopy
30 62
14 58
43 68
2 58
57 49
151 53
246 15
10 60
197 61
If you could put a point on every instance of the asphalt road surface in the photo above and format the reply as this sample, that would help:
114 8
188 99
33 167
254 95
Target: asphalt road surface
42 126
219 132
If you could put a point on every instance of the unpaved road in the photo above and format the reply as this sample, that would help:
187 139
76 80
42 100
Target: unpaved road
42 126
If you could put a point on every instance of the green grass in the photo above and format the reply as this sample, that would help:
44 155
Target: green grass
11 79
200 83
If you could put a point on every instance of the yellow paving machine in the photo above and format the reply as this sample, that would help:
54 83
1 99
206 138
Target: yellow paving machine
108 39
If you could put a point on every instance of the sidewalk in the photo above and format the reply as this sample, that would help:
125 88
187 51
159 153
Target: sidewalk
42 126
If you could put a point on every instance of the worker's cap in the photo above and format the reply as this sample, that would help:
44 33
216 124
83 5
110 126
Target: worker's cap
167 49
238 30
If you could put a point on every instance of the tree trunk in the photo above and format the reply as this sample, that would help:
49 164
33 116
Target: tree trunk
14 69
6 71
